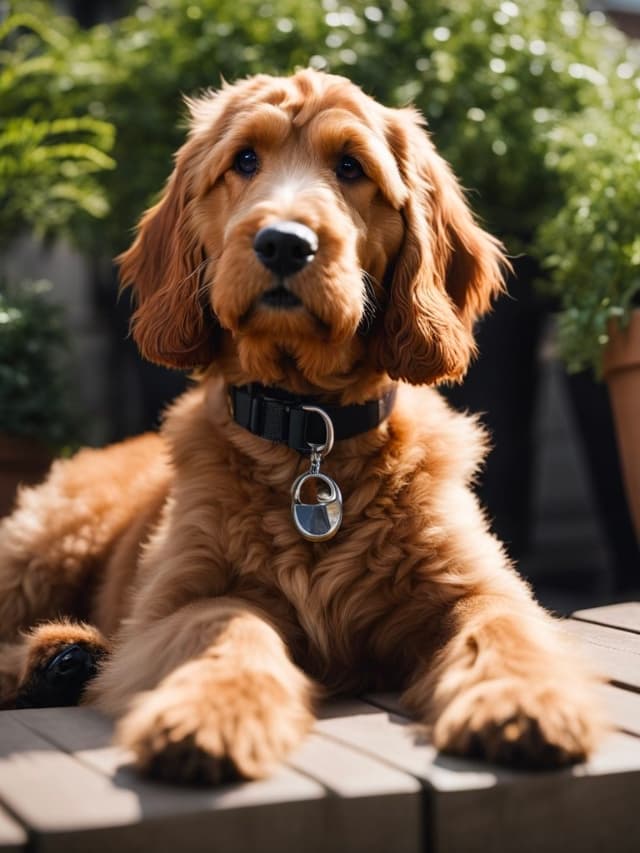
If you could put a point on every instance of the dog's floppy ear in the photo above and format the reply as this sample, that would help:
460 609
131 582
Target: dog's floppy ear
173 323
447 272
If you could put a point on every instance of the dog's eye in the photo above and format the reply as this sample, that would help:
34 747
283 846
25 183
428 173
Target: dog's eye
246 162
349 169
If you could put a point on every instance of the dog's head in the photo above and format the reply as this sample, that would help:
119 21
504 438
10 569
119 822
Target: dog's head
306 234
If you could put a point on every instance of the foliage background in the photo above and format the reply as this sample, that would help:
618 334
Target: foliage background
34 353
51 149
515 93
592 241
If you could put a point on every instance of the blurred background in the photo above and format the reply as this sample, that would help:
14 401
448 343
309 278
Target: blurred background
535 104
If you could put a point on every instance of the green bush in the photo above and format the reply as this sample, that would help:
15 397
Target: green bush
145 63
592 244
499 80
34 391
50 155
493 78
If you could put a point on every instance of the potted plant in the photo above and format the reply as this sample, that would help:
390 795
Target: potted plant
591 248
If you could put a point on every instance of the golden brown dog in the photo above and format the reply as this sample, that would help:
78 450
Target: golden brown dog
220 618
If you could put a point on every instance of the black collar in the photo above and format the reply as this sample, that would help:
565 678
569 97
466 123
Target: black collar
277 415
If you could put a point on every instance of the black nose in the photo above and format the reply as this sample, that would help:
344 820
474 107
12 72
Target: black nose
285 247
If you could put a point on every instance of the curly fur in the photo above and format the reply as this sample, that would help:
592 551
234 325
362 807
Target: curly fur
222 622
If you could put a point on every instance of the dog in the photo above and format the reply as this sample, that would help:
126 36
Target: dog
314 262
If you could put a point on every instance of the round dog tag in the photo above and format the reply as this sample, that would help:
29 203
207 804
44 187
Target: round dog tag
320 520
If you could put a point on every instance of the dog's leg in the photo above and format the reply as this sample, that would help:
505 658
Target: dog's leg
50 666
507 687
55 545
221 697
44 561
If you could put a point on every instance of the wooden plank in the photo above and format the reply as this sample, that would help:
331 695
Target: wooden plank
614 653
587 808
388 702
395 740
472 806
622 708
475 807
70 805
625 616
13 838
359 785
376 807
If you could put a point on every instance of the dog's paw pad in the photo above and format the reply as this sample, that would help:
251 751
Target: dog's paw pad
185 761
60 680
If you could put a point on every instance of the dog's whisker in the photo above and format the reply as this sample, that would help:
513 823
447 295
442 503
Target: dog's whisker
370 305
195 272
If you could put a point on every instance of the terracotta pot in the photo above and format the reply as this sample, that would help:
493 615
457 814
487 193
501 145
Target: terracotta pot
622 373
22 460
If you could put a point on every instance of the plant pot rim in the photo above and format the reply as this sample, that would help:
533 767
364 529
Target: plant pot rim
623 350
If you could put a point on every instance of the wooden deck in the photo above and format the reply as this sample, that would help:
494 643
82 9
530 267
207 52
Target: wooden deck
362 782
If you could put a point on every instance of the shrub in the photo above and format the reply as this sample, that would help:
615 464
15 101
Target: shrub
509 87
591 246
146 62
50 156
51 153
34 391
492 76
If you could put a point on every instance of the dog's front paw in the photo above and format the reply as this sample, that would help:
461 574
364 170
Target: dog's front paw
514 722
207 731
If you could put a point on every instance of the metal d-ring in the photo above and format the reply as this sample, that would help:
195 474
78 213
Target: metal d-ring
322 449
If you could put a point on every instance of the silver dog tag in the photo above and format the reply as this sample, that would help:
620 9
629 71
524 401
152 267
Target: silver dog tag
318 520
321 520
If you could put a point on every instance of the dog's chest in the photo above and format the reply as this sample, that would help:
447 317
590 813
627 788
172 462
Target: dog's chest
338 598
